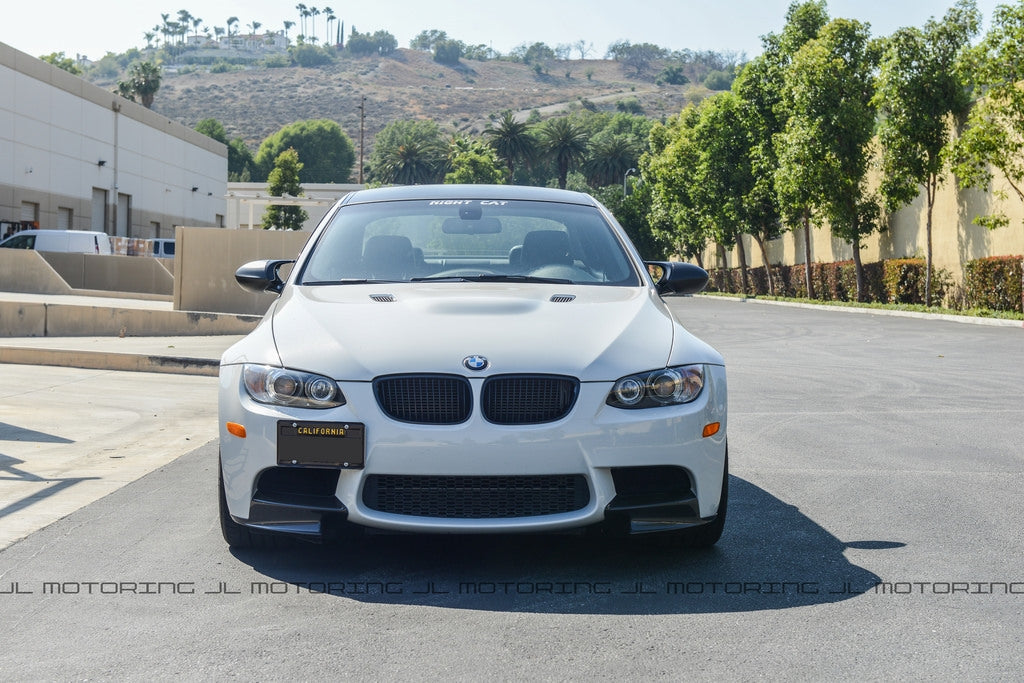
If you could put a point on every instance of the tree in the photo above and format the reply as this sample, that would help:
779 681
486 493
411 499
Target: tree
919 90
722 174
610 156
673 74
284 180
66 63
212 128
241 165
669 169
426 40
240 159
309 56
994 133
143 82
408 153
475 163
565 144
755 88
795 183
512 141
537 53
830 86
637 57
327 152
448 52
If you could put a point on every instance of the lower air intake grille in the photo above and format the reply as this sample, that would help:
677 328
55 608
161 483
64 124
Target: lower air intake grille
528 399
425 399
469 497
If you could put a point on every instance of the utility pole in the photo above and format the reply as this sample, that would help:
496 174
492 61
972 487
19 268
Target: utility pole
362 121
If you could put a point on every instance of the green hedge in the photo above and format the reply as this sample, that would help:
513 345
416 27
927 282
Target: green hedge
994 283
892 281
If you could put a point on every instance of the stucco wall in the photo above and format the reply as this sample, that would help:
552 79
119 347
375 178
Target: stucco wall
206 261
956 239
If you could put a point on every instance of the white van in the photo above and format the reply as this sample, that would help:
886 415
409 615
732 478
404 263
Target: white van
71 241
162 247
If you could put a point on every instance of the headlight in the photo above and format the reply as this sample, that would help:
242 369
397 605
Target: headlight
665 387
285 387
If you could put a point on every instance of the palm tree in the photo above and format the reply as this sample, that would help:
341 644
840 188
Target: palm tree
196 21
610 158
329 13
184 19
313 12
231 22
287 26
143 82
414 162
301 9
512 141
149 36
565 144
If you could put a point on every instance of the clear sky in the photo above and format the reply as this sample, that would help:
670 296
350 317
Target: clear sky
92 28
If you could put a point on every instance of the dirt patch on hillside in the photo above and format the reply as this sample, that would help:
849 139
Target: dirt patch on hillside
255 102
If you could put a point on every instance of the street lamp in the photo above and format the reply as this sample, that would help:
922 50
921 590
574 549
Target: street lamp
624 178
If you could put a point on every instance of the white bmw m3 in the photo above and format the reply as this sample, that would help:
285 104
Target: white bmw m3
471 359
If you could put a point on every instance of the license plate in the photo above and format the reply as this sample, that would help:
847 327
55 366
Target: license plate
320 444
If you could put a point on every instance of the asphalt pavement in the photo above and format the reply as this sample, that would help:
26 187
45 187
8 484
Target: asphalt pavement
874 533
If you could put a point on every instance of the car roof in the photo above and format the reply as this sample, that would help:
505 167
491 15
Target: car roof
498 192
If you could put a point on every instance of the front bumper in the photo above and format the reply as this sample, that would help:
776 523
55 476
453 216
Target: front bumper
623 471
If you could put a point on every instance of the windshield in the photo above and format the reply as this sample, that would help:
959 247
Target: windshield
469 240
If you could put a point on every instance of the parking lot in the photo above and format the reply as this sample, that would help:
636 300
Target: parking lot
874 532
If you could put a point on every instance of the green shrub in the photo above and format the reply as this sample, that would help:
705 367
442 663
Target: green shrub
994 283
904 281
277 61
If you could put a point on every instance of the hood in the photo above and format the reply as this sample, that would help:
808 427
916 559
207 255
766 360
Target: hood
353 332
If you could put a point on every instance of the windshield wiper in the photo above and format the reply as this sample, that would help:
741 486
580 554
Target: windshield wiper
494 278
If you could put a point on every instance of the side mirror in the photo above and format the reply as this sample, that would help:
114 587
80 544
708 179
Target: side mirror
262 276
672 277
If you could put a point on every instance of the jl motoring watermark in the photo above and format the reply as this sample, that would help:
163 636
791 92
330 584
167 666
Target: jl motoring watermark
825 591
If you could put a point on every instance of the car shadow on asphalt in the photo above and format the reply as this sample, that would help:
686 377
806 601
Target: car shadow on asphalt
771 556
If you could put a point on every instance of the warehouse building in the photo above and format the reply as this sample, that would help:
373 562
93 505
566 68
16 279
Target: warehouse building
74 156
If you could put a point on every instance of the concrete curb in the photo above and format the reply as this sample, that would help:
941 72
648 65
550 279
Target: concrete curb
966 319
100 360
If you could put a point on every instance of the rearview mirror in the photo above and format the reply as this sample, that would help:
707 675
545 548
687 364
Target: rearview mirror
479 226
262 276
672 277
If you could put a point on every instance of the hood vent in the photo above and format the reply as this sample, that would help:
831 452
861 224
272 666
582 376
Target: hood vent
383 298
562 298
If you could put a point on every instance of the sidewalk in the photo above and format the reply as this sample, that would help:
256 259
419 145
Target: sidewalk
75 431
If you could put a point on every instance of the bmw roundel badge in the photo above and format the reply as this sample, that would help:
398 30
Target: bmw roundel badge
475 363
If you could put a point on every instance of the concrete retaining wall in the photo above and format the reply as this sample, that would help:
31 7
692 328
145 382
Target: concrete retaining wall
206 260
112 273
37 319
25 270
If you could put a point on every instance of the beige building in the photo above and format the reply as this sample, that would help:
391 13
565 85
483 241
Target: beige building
75 156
